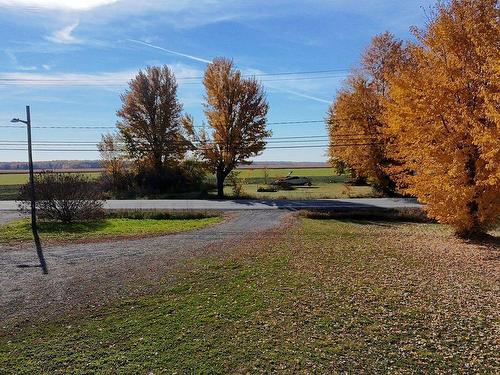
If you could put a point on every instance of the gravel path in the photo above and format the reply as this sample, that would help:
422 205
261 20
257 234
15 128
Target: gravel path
83 276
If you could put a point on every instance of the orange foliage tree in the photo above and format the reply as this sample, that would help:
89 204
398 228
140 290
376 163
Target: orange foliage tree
236 110
355 119
443 113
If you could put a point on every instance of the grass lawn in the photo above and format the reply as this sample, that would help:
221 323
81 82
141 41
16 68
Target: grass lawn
325 296
283 172
22 178
20 230
9 192
317 191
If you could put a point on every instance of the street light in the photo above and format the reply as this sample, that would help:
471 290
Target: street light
32 192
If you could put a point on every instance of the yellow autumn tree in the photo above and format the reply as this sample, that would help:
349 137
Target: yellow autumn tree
443 113
355 119
236 110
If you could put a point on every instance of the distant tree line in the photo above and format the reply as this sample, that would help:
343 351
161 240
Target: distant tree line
52 165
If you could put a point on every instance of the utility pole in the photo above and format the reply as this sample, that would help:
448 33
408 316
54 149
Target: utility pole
34 227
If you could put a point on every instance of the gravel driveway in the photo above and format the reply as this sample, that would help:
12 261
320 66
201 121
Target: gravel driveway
83 276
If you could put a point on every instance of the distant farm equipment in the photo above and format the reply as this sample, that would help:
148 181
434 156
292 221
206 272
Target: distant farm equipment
293 181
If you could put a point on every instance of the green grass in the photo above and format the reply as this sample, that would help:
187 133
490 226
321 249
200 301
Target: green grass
317 191
325 185
22 178
283 172
326 296
20 230
9 192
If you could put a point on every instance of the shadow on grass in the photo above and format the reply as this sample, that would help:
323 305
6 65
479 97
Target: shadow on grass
490 241
72 228
370 216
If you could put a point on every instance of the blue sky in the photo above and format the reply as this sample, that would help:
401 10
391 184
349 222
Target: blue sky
71 59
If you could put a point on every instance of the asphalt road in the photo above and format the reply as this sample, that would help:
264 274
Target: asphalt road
249 204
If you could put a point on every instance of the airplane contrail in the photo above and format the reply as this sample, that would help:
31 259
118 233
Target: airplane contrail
195 58
170 51
301 95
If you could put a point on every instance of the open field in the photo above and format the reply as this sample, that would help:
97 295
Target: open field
325 185
22 178
324 296
283 172
20 231
247 173
320 190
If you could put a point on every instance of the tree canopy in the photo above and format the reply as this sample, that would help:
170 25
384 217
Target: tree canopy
150 125
355 119
236 109
444 111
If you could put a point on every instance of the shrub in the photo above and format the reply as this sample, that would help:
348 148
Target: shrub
267 189
65 197
236 183
118 184
161 214
184 177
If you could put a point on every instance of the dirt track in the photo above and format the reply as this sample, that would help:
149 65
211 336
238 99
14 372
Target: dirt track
83 276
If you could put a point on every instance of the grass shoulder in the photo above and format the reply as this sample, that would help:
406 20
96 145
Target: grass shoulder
117 225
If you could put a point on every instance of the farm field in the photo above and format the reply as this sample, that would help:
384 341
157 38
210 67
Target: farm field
283 172
323 296
22 178
247 173
325 184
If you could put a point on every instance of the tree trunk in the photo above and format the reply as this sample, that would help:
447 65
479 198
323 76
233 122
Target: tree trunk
474 229
220 183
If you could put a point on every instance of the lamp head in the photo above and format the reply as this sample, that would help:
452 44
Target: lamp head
15 120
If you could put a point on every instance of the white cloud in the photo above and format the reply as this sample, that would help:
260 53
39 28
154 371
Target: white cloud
67 79
100 79
65 35
27 68
68 5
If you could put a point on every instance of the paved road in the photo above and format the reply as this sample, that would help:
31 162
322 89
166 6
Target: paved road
8 216
247 204
85 275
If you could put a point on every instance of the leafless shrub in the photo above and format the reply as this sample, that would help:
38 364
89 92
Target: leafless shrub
236 183
65 197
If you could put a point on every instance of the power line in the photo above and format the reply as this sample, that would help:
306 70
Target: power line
114 80
114 127
291 137
55 82
267 148
271 140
